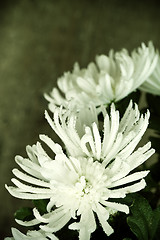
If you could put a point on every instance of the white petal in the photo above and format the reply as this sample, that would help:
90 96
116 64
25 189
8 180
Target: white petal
29 179
131 178
117 206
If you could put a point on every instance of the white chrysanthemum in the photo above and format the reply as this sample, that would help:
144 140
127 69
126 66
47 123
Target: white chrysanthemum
83 136
31 235
77 187
111 78
152 84
84 184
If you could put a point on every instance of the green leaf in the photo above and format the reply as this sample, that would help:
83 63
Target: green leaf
138 227
156 224
24 214
128 200
41 205
142 222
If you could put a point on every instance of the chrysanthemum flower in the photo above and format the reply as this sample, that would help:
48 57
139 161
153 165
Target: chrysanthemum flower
31 235
83 184
152 84
111 78
83 136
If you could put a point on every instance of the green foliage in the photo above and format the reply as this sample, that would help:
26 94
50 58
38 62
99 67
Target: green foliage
156 224
144 222
41 205
24 214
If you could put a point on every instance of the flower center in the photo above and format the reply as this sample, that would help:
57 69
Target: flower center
83 186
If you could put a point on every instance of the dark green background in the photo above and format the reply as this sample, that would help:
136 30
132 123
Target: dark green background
39 40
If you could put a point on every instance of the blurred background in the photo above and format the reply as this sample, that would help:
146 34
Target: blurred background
39 40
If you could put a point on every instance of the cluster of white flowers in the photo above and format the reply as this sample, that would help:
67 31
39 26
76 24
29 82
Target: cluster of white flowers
110 79
99 159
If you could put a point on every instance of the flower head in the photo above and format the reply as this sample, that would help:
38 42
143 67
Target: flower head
152 84
111 78
84 135
83 184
